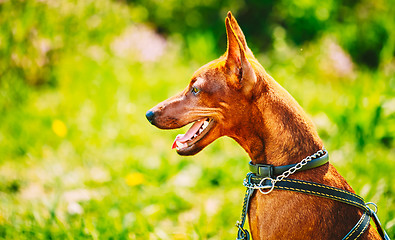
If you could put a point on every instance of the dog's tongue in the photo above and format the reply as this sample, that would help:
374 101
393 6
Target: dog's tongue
182 138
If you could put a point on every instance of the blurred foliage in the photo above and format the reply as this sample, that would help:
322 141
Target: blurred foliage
80 161
362 27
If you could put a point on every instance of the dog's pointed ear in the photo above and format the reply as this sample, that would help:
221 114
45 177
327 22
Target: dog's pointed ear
233 55
240 35
237 62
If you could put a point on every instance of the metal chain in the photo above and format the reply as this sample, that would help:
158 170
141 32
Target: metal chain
285 174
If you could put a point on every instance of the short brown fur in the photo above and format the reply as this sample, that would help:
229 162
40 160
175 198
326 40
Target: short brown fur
246 104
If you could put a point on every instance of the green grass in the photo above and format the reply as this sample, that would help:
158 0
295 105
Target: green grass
80 161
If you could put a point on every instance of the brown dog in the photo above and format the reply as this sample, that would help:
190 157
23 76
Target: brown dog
234 96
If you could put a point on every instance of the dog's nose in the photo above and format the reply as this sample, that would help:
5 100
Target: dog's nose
150 115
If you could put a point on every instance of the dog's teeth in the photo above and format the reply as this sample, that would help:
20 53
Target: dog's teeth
205 124
179 145
200 131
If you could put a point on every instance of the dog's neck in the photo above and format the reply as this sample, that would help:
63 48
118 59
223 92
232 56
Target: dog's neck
280 132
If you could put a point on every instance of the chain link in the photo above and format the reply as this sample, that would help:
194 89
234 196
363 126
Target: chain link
285 174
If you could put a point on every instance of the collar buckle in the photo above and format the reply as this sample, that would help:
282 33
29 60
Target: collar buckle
266 170
262 170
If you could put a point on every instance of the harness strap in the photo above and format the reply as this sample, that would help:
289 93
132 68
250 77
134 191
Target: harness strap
315 189
380 229
359 228
243 234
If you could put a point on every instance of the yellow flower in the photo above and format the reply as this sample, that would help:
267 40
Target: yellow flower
134 179
2 219
59 128
180 236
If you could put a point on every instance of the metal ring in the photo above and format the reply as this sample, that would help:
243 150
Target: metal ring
271 188
375 206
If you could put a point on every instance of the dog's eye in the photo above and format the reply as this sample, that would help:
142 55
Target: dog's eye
195 90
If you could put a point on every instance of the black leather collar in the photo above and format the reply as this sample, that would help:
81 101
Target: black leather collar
267 170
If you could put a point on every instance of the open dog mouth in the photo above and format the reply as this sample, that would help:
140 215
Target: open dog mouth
198 130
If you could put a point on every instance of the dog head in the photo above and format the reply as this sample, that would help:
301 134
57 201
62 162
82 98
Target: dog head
217 99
